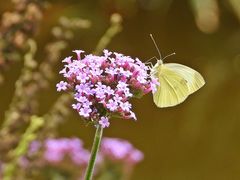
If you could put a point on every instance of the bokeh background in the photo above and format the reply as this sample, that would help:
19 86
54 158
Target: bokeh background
196 140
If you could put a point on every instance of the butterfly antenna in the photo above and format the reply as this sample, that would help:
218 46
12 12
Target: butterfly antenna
150 59
169 55
156 46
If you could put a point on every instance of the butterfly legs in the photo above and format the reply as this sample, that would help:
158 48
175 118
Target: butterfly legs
148 61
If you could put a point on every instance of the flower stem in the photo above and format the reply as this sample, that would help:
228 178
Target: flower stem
95 148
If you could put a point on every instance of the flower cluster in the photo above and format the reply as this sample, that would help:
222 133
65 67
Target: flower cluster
58 149
114 149
69 156
120 150
104 84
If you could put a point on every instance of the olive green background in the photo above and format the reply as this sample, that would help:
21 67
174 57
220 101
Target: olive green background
196 140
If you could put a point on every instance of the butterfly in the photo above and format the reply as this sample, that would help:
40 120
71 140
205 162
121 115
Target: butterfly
176 81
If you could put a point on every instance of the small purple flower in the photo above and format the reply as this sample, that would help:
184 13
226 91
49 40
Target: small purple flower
96 72
62 86
82 77
85 112
109 91
112 60
127 92
122 85
117 98
89 91
111 71
100 93
80 98
99 85
81 87
104 122
142 79
87 104
77 106
126 106
127 73
79 65
112 105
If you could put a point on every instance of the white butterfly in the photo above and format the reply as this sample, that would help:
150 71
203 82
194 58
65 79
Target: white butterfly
177 82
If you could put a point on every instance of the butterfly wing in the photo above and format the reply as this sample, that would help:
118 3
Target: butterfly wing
173 87
194 79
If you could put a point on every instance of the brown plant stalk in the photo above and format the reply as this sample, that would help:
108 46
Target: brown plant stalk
31 81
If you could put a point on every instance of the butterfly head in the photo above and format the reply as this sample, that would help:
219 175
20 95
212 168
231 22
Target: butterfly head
159 61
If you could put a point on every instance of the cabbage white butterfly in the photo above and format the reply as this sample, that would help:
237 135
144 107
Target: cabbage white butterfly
177 81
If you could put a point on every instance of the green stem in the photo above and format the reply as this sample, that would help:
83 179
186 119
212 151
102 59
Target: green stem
95 148
29 135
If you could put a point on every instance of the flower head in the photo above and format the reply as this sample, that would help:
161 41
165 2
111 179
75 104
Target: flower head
103 85
120 150
58 149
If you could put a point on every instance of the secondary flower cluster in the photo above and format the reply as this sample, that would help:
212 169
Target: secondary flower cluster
120 150
69 155
114 149
58 149
104 84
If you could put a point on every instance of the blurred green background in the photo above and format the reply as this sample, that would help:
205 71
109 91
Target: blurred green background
197 140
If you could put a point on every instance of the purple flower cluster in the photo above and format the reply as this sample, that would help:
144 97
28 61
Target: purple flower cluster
69 155
104 84
120 150
58 149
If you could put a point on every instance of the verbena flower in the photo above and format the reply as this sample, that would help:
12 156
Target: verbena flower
104 122
65 156
103 85
120 150
58 149
56 153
